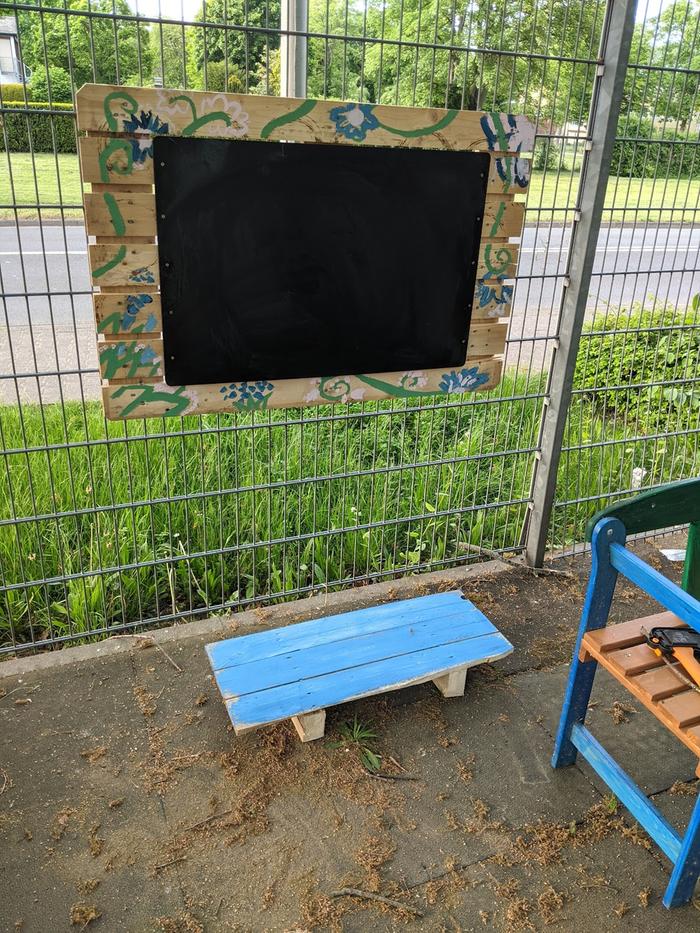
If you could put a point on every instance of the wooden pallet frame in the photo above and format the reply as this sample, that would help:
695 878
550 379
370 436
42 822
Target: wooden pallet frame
116 157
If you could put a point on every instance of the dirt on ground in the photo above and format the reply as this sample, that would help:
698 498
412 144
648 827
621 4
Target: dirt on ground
126 802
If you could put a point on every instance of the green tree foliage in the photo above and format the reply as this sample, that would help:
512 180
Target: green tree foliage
55 86
87 48
243 54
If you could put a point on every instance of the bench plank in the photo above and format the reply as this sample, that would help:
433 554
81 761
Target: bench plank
350 653
328 629
284 702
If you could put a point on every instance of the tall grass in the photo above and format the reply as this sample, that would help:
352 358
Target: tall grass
139 522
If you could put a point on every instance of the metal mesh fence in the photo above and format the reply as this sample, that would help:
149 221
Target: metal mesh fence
634 421
107 526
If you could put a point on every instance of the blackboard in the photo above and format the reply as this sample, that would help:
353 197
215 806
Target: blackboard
282 260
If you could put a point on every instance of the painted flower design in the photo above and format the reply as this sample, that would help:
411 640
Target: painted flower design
248 395
143 275
232 108
413 379
134 304
354 121
173 105
500 294
147 125
333 389
466 380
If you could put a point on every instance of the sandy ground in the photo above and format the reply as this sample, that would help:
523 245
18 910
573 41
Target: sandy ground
126 802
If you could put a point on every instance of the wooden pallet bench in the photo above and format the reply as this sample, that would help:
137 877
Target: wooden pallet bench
298 671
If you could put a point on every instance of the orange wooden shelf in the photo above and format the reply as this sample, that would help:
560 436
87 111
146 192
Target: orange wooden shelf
622 650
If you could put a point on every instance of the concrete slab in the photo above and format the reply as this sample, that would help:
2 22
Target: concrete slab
77 825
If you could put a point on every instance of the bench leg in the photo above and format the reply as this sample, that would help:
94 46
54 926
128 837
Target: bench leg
596 608
310 726
452 684
687 869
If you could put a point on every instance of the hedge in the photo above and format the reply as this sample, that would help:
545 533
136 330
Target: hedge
40 132
669 156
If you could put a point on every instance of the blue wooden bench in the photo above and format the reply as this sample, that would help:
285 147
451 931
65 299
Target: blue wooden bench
623 650
298 671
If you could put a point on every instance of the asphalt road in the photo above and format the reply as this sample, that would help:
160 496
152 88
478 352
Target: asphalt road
53 329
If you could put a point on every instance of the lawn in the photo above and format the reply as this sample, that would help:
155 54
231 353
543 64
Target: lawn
58 182
395 492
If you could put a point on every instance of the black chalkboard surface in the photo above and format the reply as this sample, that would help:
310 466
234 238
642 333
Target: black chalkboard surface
280 260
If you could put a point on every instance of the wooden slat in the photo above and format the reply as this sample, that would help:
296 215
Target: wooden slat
233 116
493 298
633 660
625 634
124 214
124 266
659 683
348 657
329 629
127 265
134 214
683 709
121 315
268 706
137 359
508 175
146 401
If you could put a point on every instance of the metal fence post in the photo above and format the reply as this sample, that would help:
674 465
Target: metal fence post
616 40
294 21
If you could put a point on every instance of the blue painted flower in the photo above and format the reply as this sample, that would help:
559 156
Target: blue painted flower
466 380
143 274
500 294
145 122
354 121
248 395
134 304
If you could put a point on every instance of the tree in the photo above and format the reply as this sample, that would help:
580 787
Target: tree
242 53
108 50
55 86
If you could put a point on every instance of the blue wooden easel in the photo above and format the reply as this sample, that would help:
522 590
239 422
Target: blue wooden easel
676 504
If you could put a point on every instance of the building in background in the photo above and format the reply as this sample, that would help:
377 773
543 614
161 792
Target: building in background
12 69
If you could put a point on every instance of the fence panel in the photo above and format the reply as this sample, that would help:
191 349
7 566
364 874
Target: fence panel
634 420
104 526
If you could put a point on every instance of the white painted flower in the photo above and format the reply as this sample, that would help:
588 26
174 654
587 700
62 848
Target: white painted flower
413 379
314 394
165 389
222 102
173 108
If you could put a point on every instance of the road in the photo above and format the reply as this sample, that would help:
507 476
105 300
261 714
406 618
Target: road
52 330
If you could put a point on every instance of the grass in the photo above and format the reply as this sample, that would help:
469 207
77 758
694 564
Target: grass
627 200
243 486
58 181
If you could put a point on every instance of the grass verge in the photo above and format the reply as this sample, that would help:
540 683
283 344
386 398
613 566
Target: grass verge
395 491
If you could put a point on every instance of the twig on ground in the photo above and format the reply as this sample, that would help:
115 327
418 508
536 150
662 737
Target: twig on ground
395 762
151 644
390 777
21 687
369 896
495 555
5 781
173 861
208 819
